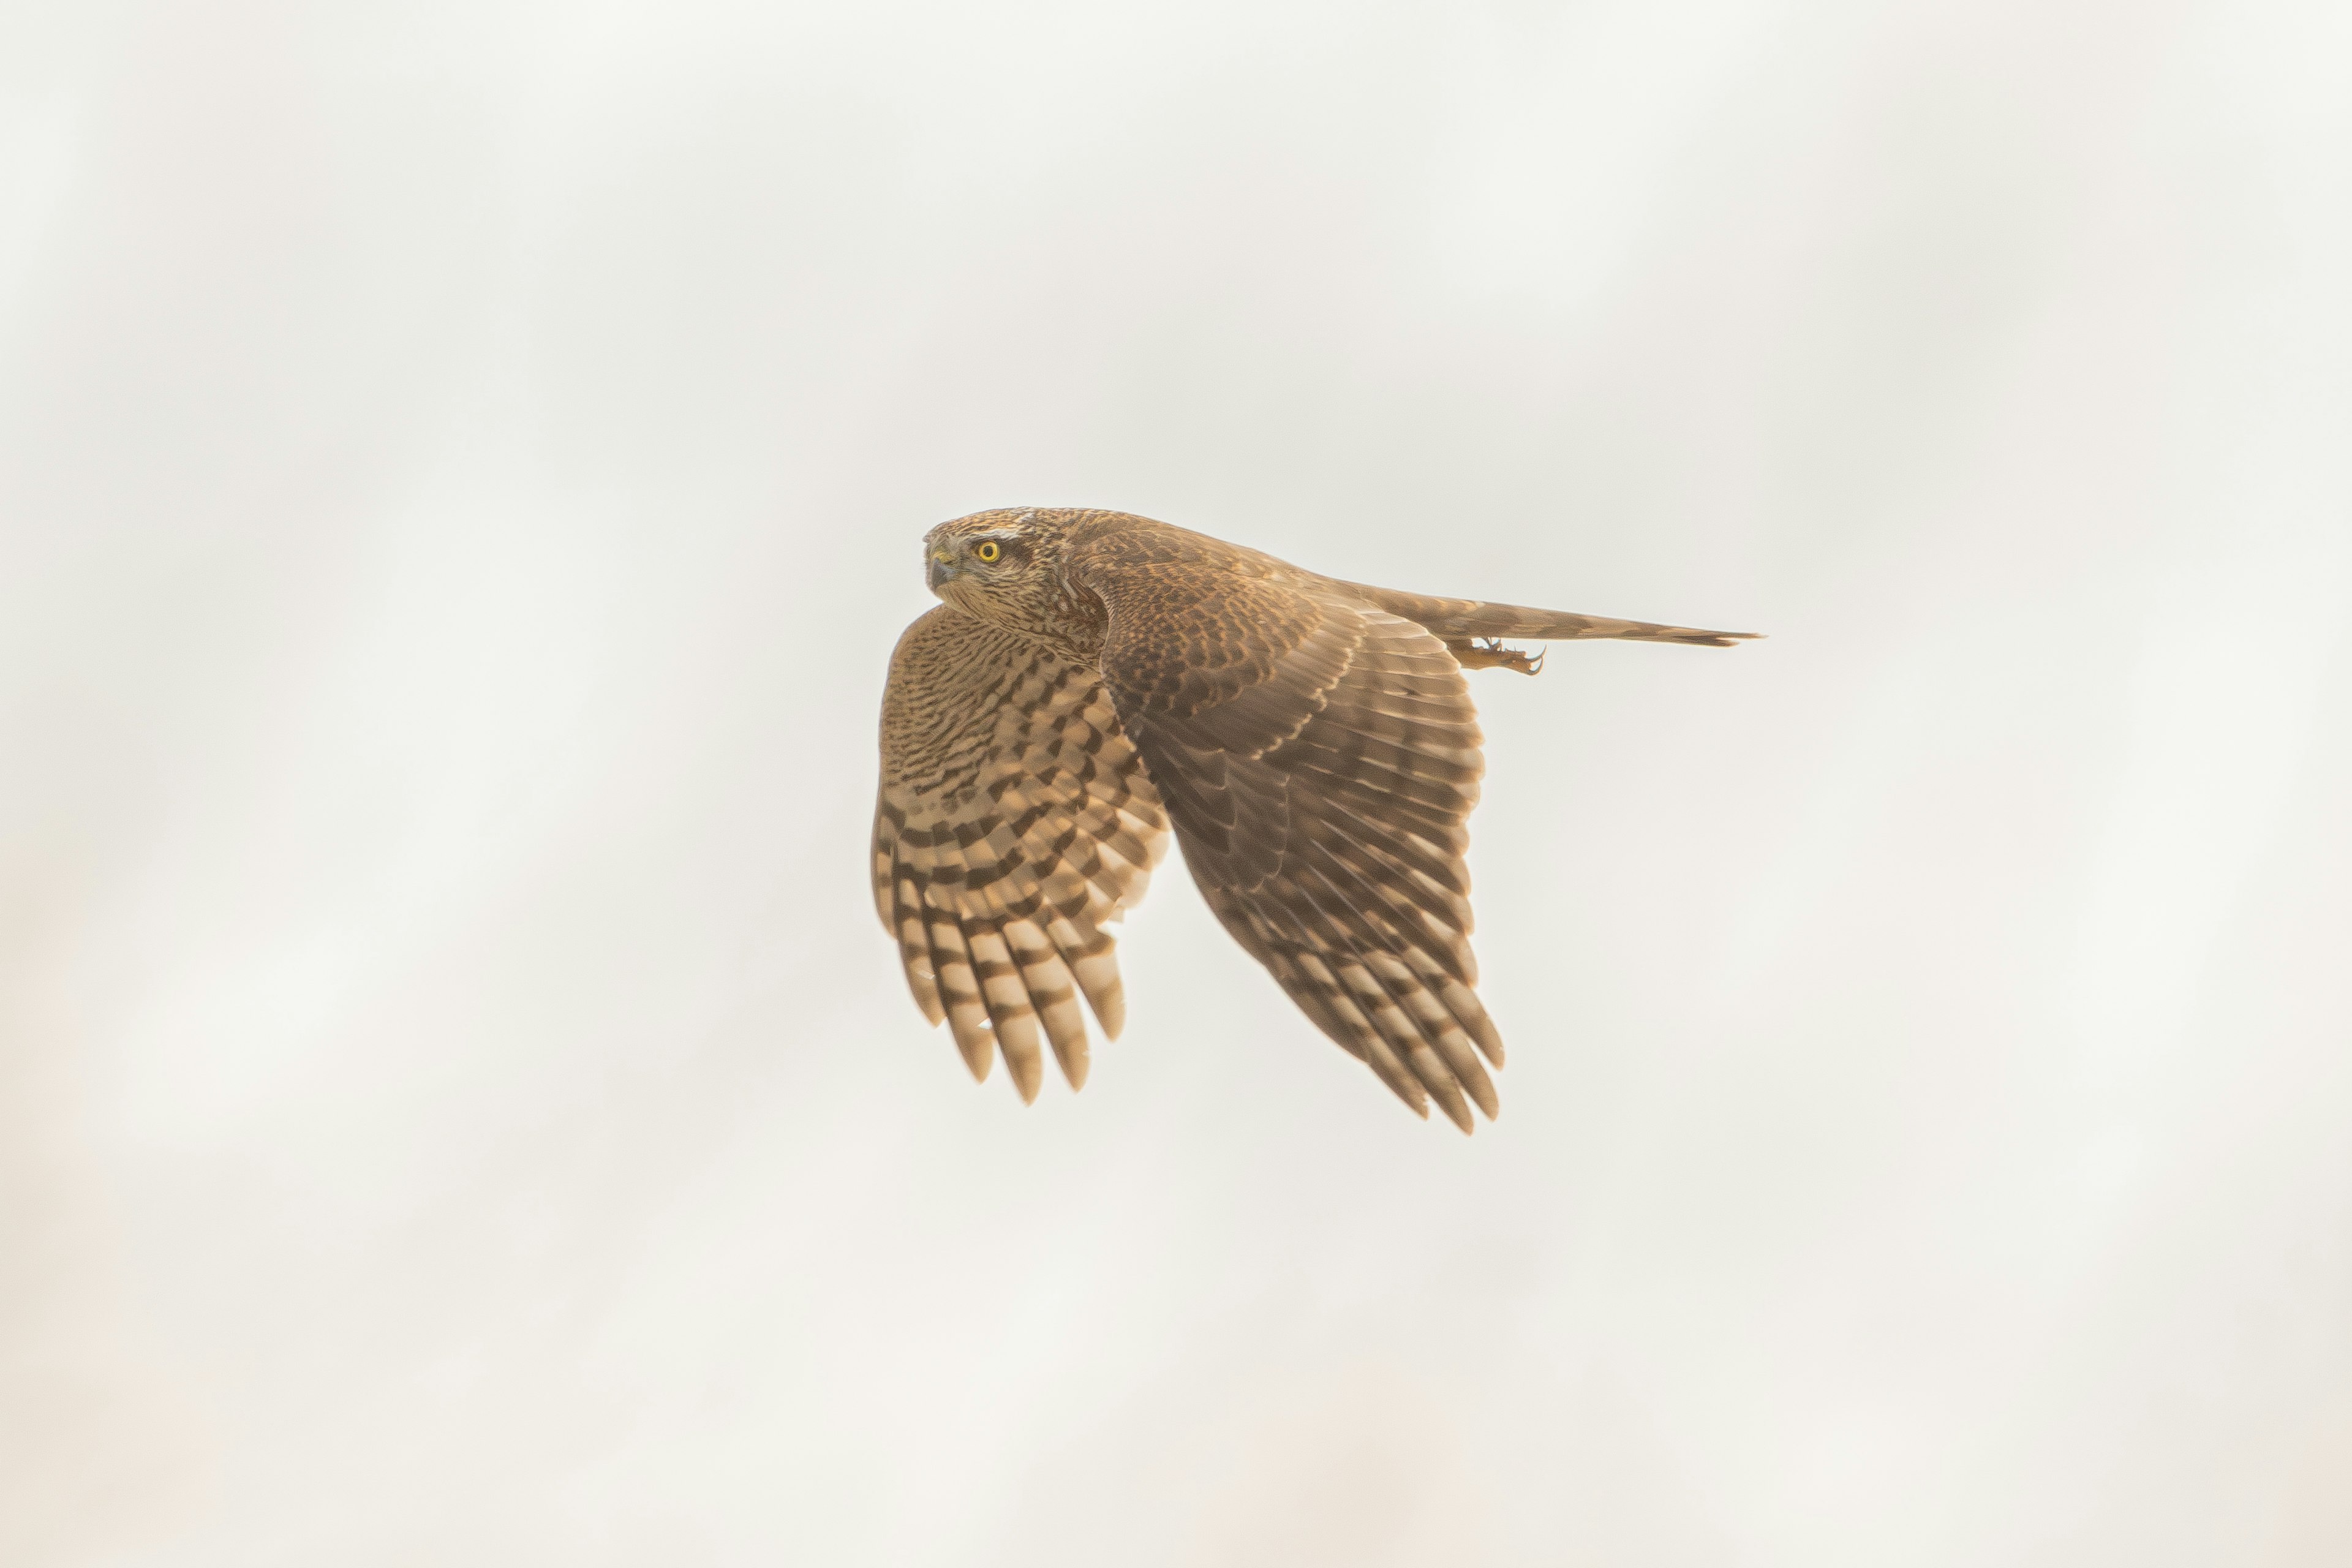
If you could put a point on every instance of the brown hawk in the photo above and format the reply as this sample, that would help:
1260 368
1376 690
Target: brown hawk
1093 679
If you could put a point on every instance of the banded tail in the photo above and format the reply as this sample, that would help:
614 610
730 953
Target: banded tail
1457 621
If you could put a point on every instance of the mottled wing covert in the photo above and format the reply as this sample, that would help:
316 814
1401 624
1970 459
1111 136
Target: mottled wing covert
1318 757
1016 820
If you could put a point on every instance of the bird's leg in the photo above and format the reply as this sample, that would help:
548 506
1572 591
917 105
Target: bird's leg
1488 653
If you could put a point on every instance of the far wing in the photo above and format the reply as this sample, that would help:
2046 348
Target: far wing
1014 821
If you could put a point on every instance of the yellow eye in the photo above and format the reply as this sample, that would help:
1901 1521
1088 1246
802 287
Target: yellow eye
987 549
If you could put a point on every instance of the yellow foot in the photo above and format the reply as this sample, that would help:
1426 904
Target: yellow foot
1488 653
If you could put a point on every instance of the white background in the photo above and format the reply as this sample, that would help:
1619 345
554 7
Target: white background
460 473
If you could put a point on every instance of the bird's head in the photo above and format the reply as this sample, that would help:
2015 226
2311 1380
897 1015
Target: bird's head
999 566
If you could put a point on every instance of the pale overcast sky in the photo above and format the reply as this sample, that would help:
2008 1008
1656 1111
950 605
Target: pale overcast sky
460 473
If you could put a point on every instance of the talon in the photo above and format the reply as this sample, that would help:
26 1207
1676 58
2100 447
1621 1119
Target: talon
1490 653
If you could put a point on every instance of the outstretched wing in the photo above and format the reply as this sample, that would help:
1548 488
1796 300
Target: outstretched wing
1318 757
1016 820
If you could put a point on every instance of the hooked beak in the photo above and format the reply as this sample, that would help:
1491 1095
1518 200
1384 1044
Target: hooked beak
941 570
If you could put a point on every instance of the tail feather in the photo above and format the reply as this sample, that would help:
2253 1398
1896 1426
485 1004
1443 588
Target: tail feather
1457 620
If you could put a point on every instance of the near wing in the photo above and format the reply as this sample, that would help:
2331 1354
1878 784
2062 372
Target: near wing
1318 757
1014 821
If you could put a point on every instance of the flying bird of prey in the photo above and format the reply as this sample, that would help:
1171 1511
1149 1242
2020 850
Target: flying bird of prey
1092 679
